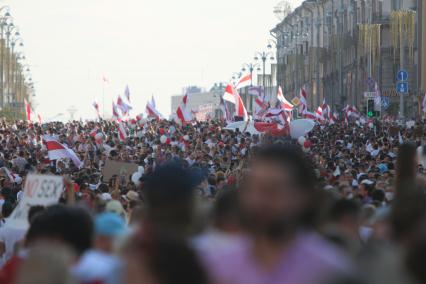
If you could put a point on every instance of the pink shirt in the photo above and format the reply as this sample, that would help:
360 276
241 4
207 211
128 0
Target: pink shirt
310 260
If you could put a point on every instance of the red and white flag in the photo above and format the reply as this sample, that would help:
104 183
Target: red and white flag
332 118
152 112
244 81
319 114
260 108
39 118
286 105
125 108
325 109
27 110
93 132
231 95
127 93
122 132
303 106
309 115
115 112
56 151
183 114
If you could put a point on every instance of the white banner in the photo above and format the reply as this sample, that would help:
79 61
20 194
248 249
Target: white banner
39 190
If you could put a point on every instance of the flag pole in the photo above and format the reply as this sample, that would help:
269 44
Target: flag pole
103 98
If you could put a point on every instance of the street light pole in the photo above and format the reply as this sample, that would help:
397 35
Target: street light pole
264 56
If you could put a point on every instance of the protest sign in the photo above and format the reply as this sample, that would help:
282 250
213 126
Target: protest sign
38 190
121 169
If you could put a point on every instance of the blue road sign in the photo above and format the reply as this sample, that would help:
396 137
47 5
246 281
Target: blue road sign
402 87
385 102
402 75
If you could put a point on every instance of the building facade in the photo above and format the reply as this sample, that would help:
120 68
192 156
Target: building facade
202 103
341 50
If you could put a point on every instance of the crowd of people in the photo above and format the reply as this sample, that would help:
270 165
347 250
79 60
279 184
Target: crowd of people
345 204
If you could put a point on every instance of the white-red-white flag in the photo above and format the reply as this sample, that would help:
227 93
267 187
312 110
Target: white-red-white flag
309 115
286 105
183 114
231 95
303 106
115 112
319 114
27 110
122 132
152 112
125 108
244 81
39 118
56 151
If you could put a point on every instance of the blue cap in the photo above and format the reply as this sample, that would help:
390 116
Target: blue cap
383 168
109 224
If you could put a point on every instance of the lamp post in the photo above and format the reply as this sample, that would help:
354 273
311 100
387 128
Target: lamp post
264 56
3 22
14 57
250 67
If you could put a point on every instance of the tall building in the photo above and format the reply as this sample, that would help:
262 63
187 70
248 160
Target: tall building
340 49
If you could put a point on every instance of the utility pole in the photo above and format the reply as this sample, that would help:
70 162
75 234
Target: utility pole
401 67
340 25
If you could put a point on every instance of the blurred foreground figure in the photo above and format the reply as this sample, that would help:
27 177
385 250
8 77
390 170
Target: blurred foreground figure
278 206
159 252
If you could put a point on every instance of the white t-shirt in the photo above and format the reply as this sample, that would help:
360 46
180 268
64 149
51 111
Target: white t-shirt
10 236
96 265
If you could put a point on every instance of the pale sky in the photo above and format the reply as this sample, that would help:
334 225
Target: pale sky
156 47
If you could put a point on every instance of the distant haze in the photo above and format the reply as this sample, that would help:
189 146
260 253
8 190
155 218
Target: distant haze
157 47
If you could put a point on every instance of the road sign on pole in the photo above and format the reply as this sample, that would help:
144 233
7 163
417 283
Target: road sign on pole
402 75
402 87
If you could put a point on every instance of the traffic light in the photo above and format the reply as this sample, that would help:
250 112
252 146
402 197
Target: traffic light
370 108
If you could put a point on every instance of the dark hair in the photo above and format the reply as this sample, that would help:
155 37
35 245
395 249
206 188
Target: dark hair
7 209
294 160
71 225
169 197
226 208
344 207
34 212
406 169
172 260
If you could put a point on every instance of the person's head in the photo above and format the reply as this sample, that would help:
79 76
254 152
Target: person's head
164 260
346 215
169 193
280 190
67 225
406 164
226 212
34 212
108 227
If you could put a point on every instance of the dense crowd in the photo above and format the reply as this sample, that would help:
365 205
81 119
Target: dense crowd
344 204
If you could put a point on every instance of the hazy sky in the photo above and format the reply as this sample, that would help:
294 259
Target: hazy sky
156 47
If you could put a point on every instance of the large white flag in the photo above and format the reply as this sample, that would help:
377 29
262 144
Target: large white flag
56 150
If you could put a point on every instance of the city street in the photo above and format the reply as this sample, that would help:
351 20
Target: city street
212 142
